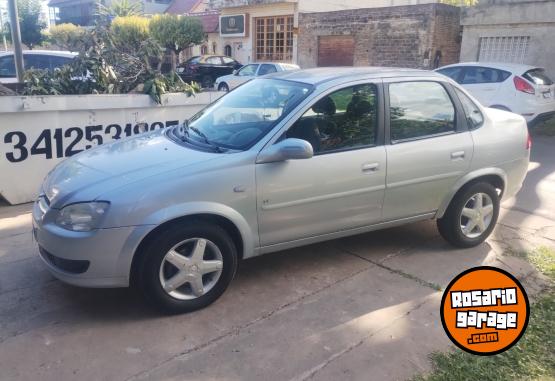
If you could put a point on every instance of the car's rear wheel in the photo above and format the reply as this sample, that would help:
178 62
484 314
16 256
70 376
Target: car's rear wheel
186 268
471 216
223 87
207 82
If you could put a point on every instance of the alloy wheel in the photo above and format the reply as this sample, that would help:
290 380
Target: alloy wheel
191 268
476 215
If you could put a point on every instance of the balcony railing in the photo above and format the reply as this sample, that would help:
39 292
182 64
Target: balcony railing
219 4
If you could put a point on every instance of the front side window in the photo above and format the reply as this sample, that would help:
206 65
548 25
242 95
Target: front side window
37 61
241 119
474 117
452 72
419 109
248 70
345 119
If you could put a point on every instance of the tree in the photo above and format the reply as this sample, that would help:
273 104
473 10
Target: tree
176 33
120 8
66 36
30 23
129 32
462 3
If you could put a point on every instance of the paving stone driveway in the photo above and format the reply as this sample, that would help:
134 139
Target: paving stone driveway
364 307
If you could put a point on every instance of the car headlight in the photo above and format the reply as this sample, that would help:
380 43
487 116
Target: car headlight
82 217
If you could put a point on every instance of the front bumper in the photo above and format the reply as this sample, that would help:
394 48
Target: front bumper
100 258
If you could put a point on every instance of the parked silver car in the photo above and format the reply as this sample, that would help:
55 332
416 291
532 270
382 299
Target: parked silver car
250 71
282 161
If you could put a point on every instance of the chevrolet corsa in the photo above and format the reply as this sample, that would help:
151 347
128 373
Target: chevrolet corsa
282 161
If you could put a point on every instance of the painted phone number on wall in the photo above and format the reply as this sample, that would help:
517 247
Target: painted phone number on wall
59 143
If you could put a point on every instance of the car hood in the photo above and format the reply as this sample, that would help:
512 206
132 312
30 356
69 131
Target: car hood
115 164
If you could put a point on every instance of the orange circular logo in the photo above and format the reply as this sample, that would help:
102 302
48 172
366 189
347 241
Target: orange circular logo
485 310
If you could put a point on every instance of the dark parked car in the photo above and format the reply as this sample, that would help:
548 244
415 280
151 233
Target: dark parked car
205 69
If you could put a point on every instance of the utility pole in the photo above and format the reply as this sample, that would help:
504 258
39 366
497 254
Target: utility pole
2 29
16 39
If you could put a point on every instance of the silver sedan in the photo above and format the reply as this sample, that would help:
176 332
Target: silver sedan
286 160
250 71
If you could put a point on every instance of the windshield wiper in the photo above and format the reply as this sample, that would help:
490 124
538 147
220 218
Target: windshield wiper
203 136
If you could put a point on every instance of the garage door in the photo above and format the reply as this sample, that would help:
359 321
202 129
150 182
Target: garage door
336 50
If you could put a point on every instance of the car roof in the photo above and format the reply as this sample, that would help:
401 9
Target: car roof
56 53
327 74
512 67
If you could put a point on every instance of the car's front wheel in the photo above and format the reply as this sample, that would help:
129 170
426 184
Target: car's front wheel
471 216
188 267
223 87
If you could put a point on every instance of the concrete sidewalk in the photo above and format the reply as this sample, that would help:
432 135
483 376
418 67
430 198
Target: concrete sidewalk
364 307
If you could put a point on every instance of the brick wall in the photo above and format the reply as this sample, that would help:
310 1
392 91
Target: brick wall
402 36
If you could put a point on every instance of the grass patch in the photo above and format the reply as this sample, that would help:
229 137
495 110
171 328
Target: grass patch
545 128
533 358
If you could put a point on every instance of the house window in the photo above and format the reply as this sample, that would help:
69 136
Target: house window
227 50
203 50
274 38
503 49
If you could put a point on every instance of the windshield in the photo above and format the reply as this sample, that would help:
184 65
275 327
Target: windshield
241 118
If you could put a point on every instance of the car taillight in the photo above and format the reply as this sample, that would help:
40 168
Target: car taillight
522 85
529 142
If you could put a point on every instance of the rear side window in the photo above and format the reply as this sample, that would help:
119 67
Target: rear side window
538 76
474 117
452 72
266 69
419 109
228 60
56 62
214 61
477 75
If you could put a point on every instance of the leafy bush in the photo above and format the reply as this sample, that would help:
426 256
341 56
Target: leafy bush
103 68
66 36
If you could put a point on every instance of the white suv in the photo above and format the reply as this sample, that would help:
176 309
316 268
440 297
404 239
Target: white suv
522 89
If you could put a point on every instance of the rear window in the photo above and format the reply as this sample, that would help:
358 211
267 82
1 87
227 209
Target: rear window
538 76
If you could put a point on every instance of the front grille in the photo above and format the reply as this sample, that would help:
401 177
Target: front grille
74 266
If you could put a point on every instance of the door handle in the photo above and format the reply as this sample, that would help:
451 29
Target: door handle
370 167
457 155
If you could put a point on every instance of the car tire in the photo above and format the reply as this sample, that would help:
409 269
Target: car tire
223 87
152 275
464 212
207 82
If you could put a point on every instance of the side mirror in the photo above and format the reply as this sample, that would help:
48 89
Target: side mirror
235 72
288 149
